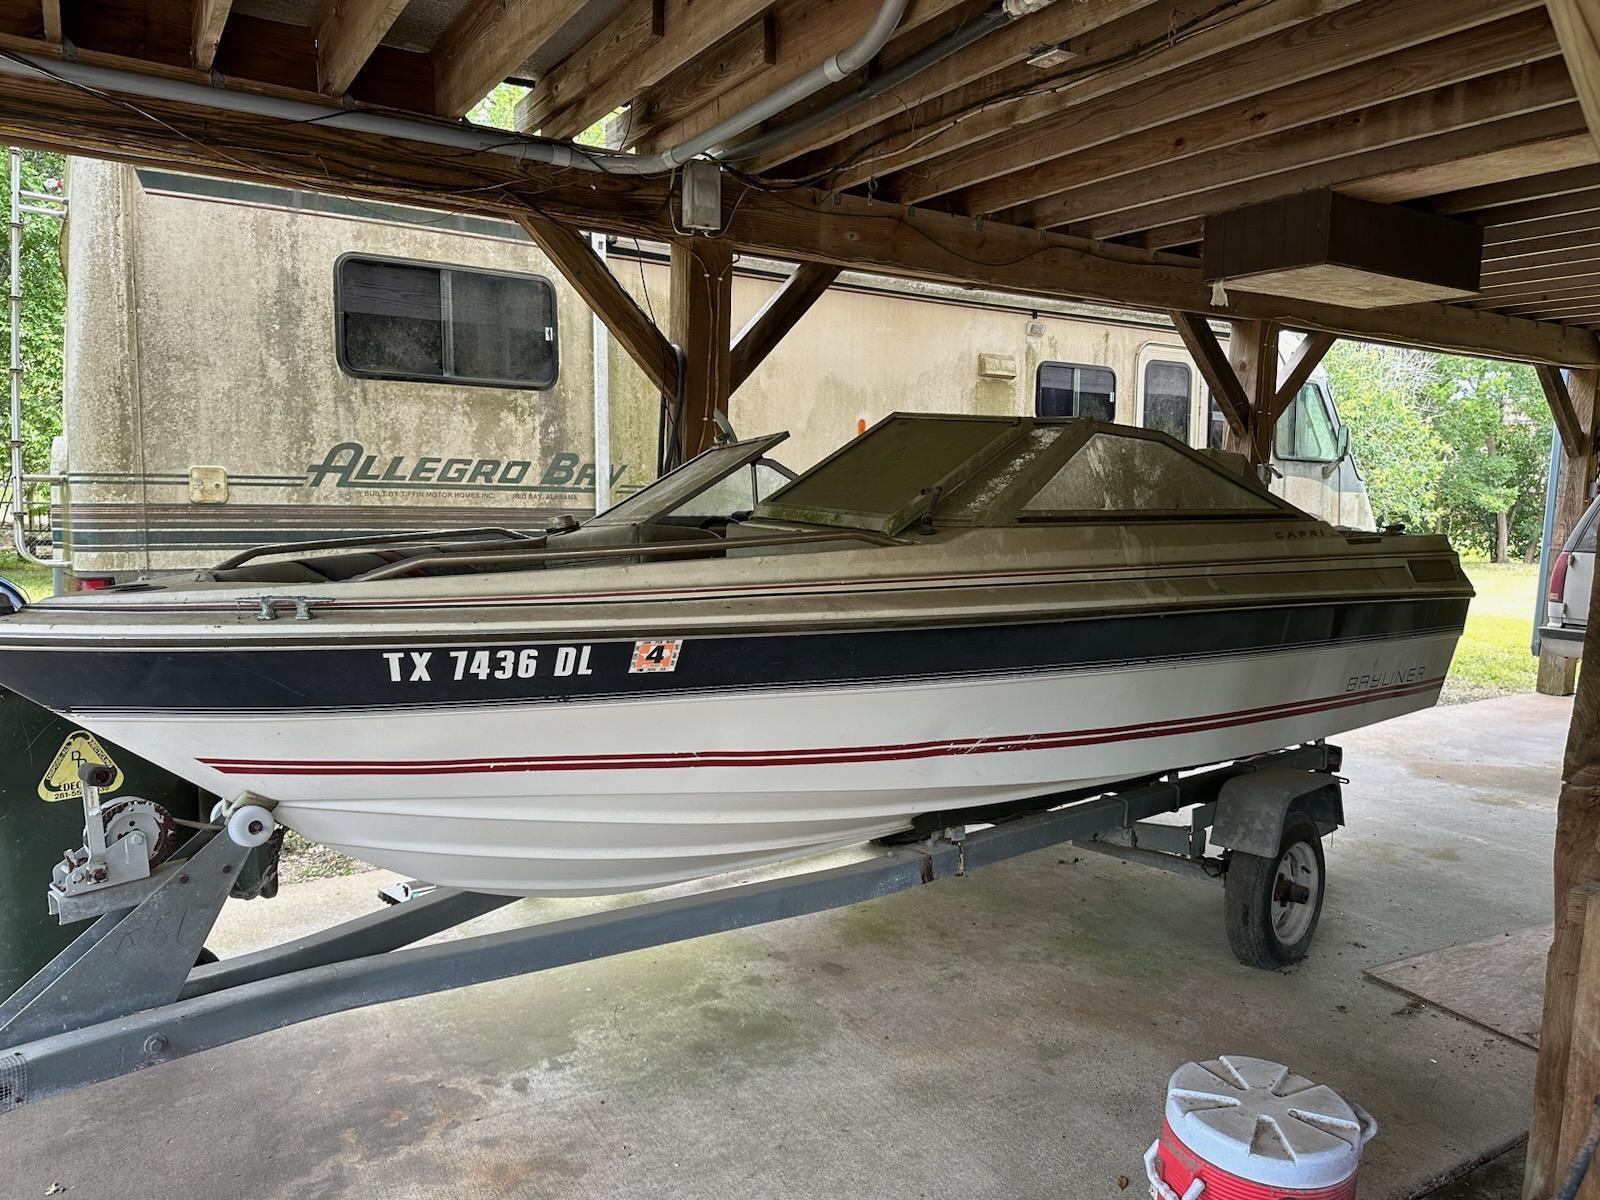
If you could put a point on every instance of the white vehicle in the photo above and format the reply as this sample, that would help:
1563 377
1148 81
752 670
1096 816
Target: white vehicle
393 369
1571 580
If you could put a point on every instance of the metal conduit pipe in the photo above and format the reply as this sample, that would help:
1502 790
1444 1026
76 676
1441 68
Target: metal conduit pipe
934 52
467 137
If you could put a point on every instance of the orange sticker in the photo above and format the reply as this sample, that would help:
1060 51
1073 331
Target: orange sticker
655 656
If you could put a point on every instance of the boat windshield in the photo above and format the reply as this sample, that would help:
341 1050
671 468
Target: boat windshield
703 482
1005 470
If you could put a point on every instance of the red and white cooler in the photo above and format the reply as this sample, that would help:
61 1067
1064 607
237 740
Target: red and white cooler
1242 1128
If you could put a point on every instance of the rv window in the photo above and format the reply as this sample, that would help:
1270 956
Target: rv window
1166 399
1216 423
1305 431
1074 390
400 320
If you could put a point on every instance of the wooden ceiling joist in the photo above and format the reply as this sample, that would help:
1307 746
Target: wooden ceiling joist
1393 151
653 119
846 231
1098 29
347 32
1476 170
1128 55
1239 72
1555 251
488 40
781 313
1517 191
209 18
1577 26
1415 130
548 106
1418 69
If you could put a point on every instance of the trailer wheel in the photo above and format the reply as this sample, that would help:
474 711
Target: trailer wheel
1271 905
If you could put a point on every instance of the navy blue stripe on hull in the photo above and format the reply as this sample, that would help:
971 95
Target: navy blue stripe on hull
412 675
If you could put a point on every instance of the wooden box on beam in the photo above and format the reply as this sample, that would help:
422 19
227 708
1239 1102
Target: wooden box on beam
1335 249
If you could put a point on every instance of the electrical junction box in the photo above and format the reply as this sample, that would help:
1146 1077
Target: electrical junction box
208 485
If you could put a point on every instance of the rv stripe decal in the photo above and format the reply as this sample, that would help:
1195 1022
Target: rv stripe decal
824 755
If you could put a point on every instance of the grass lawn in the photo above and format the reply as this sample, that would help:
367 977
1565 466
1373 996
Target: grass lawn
32 579
1492 658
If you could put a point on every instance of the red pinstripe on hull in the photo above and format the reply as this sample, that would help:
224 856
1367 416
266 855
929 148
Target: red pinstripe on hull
818 756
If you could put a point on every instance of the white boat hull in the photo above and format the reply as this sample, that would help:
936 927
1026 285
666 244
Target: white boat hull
623 794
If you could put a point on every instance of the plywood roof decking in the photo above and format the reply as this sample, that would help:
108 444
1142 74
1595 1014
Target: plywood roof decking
1159 114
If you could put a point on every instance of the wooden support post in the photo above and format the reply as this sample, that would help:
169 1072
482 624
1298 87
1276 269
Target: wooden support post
1253 350
1569 1039
593 280
702 293
778 316
1572 404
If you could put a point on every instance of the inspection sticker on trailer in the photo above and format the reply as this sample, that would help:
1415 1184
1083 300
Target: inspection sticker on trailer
655 656
61 780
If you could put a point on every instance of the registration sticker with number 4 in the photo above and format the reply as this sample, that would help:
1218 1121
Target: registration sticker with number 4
655 656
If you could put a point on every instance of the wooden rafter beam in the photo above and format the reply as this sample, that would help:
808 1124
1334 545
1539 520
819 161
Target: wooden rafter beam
1215 369
206 30
807 32
846 231
1313 348
488 40
1517 191
593 280
1411 72
1525 128
1561 408
781 313
1577 25
1474 170
346 33
1341 147
1099 27
613 47
1123 55
653 120
1232 73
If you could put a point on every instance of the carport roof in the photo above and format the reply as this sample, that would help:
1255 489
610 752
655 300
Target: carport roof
1076 150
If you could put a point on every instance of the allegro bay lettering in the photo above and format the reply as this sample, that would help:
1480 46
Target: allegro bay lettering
349 465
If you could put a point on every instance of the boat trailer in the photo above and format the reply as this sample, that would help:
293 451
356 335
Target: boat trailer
127 993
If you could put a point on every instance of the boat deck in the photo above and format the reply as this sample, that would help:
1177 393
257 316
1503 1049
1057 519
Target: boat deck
1007 1034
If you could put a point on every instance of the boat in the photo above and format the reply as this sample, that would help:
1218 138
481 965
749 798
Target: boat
735 666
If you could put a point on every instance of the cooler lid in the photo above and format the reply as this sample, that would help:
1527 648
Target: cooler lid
1260 1121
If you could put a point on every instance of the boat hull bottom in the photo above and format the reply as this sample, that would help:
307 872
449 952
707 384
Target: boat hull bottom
619 797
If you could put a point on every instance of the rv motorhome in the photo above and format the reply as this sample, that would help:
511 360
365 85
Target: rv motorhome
387 368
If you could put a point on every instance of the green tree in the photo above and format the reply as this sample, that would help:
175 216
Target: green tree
44 300
1379 392
1494 418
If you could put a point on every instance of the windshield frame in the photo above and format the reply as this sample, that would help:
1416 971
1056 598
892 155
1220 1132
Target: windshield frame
682 484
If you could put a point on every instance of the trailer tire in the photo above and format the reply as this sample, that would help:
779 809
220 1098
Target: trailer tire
1271 905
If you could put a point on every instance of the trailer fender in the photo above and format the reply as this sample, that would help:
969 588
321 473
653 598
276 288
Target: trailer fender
1251 808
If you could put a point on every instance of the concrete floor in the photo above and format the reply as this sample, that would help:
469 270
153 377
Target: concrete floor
1008 1034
